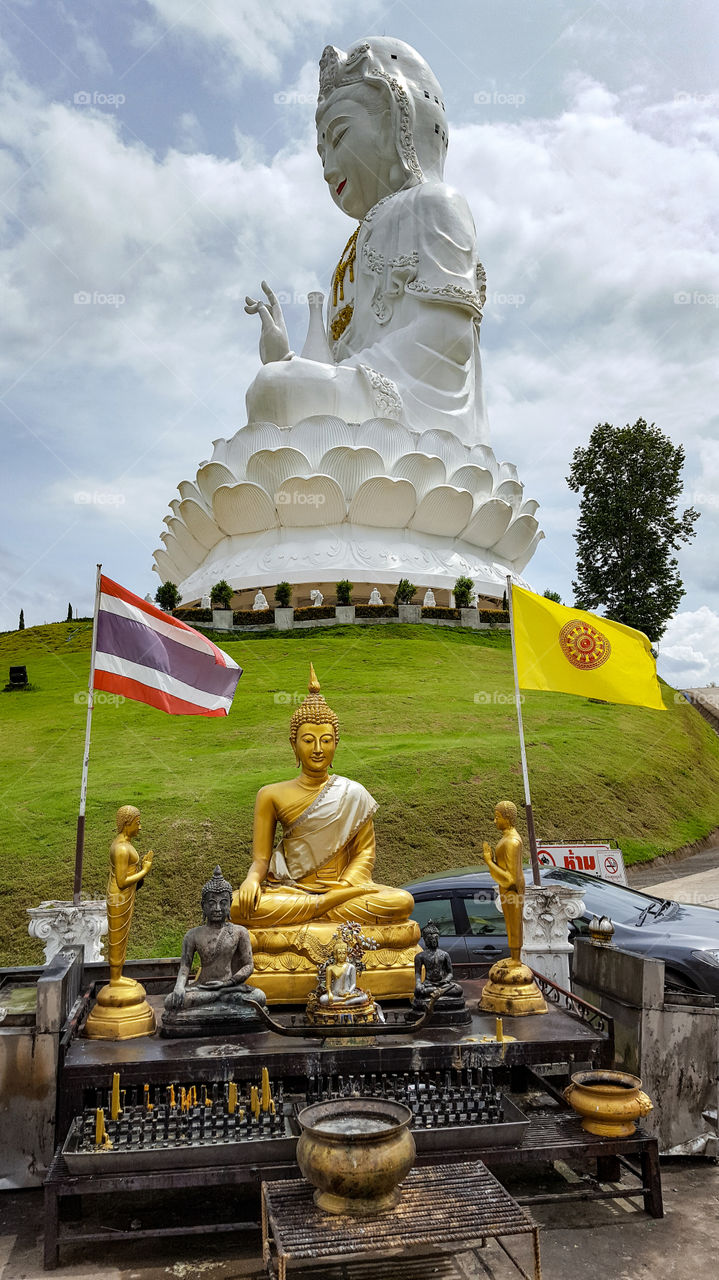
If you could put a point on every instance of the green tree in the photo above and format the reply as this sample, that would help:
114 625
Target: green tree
21 623
69 613
221 595
463 589
283 595
405 591
344 591
552 595
167 596
630 479
505 604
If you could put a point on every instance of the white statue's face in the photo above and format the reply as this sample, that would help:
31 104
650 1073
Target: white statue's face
357 150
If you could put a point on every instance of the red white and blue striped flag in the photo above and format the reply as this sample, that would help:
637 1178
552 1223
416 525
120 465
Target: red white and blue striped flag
149 656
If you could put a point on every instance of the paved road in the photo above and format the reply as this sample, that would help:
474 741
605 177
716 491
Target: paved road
664 871
579 1241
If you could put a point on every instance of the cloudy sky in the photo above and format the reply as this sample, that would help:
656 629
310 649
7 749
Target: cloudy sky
158 161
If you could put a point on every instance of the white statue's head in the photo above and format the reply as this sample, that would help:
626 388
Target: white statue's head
381 122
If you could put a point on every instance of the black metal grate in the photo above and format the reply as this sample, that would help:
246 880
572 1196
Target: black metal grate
446 1205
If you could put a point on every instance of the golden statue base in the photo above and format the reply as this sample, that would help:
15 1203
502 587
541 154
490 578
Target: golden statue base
512 990
286 959
121 1012
337 1014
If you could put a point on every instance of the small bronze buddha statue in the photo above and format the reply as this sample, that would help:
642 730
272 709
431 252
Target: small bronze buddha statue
217 1000
434 976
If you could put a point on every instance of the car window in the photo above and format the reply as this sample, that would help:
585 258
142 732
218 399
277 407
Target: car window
437 909
484 915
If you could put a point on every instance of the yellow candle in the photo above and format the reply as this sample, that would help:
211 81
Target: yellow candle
255 1101
266 1095
232 1098
115 1099
173 1104
148 1105
500 1030
99 1126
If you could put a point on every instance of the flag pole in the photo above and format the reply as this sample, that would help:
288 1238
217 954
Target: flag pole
522 748
80 837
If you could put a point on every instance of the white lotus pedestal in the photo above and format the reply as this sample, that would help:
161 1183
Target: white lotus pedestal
548 911
70 924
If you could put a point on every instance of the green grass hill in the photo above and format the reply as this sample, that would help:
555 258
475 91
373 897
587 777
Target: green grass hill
427 724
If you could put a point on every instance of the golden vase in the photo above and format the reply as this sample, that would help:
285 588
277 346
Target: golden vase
355 1152
609 1102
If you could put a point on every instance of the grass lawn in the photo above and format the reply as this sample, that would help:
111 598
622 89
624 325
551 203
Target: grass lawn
427 725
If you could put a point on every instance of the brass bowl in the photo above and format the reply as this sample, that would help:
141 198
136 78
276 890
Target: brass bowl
609 1102
355 1152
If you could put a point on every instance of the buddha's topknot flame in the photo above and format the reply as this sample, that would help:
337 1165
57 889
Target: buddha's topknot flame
313 710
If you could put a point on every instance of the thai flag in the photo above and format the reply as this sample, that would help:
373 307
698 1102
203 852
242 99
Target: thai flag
149 656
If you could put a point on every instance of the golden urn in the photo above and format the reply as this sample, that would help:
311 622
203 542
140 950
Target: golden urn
609 1102
355 1152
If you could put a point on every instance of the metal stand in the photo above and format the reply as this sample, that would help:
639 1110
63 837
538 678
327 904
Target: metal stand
445 1209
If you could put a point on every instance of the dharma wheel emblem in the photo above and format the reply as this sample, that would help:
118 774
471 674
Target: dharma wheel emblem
584 646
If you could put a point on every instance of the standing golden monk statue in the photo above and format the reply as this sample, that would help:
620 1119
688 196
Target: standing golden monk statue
511 987
121 1011
321 872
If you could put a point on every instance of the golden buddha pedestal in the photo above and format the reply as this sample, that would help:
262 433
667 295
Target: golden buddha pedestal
320 874
121 1011
511 988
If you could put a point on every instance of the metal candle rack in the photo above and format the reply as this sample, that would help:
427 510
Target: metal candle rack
179 1123
436 1099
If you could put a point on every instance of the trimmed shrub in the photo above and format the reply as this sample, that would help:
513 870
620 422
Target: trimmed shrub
376 611
283 595
193 615
441 611
314 611
344 591
250 618
494 616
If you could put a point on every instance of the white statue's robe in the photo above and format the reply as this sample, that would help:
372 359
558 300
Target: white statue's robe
411 349
417 303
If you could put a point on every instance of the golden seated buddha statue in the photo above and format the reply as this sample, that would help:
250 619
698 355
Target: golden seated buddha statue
320 873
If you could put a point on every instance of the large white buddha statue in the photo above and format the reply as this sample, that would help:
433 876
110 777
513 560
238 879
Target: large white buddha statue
367 456
406 296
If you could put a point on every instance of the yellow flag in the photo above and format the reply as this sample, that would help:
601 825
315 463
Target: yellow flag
570 651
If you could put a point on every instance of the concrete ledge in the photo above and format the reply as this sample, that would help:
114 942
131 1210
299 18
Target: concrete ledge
636 980
222 619
410 612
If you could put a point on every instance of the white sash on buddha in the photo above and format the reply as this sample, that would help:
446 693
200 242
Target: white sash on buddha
330 822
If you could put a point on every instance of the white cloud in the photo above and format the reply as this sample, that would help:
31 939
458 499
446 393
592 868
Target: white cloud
241 35
596 218
689 651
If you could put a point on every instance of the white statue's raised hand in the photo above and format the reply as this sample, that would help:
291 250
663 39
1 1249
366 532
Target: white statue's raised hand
274 343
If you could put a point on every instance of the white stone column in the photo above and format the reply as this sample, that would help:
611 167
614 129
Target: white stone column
548 910
62 924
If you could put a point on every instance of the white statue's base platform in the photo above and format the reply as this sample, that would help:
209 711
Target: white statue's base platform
327 499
